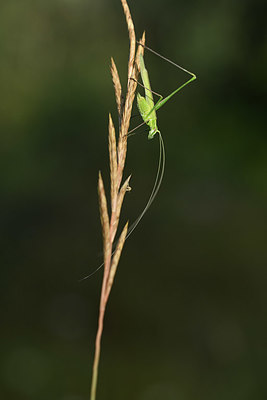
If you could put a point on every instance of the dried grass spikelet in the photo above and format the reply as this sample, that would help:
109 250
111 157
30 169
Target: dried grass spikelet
115 259
113 163
121 195
104 218
132 37
117 85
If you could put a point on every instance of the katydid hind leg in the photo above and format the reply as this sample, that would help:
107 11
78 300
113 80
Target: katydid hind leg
161 102
168 60
164 100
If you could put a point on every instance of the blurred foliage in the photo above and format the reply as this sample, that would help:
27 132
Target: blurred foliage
186 319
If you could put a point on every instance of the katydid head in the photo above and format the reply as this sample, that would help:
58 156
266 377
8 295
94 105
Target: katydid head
152 133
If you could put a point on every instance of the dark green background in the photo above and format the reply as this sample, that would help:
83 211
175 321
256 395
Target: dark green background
186 318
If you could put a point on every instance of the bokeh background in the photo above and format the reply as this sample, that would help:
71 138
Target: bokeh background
187 315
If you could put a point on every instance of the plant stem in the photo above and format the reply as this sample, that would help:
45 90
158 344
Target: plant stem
97 353
117 154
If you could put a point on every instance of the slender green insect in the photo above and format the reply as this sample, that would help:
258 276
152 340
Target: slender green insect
146 105
148 109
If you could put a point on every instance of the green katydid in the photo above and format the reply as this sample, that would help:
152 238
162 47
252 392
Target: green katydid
147 110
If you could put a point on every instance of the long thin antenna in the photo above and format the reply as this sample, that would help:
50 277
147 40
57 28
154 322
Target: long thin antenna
156 187
154 192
